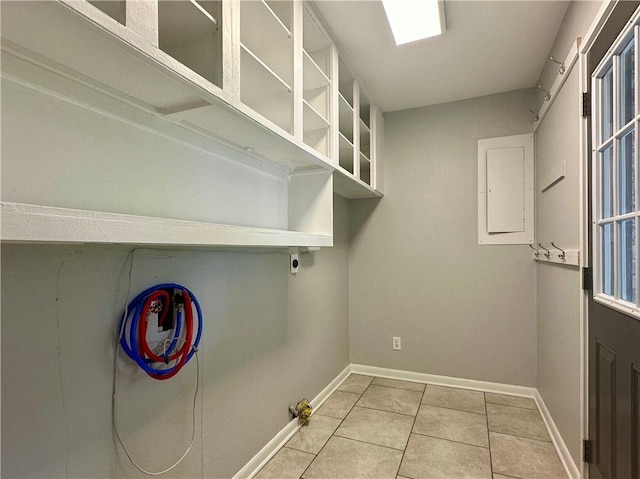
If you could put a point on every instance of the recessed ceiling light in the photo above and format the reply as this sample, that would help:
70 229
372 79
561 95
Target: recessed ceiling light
413 20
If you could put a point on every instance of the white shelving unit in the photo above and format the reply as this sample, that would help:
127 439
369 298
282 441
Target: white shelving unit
359 149
250 88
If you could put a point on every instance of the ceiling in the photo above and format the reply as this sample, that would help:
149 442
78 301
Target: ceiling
489 47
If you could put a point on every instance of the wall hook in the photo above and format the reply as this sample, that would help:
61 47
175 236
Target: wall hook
563 254
548 253
536 117
547 93
537 253
562 68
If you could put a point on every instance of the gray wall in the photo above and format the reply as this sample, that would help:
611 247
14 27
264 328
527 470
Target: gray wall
270 339
558 219
416 269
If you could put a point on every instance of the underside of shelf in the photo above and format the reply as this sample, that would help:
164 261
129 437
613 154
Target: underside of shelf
347 186
22 223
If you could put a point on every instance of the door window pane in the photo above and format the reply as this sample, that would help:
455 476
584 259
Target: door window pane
606 108
627 84
606 184
627 275
607 258
626 176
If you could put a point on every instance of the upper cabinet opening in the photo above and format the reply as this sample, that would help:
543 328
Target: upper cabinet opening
189 31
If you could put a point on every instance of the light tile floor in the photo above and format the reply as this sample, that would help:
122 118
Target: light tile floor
375 428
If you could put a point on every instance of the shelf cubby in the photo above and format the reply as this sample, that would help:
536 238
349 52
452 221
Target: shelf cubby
346 118
116 9
345 156
264 91
365 169
345 83
365 140
313 77
188 30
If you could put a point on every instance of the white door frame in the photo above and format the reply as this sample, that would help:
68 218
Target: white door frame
585 157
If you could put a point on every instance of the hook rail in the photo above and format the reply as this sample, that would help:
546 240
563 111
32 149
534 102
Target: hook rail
569 257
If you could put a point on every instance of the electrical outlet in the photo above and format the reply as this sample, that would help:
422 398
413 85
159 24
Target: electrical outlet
294 262
397 343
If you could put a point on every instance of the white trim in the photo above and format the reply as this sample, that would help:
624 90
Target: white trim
561 448
263 456
485 386
585 155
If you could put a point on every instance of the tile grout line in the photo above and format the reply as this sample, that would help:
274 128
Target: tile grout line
449 440
484 395
411 431
385 410
454 409
341 421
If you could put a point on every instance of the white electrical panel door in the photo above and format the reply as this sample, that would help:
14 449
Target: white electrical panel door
505 190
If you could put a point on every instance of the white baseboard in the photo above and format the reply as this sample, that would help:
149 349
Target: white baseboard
484 386
563 452
263 456
273 446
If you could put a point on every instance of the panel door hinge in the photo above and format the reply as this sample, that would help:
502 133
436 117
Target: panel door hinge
587 279
586 104
587 451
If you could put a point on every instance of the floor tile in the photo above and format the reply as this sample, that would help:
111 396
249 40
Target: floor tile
377 427
462 399
500 476
431 458
355 383
345 458
394 383
525 458
286 464
391 399
517 421
314 435
460 426
338 404
514 401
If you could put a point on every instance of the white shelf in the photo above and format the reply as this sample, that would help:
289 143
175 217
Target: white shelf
349 187
314 77
313 120
22 223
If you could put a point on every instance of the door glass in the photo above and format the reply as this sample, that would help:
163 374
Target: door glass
627 239
606 108
627 84
626 176
606 178
607 258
